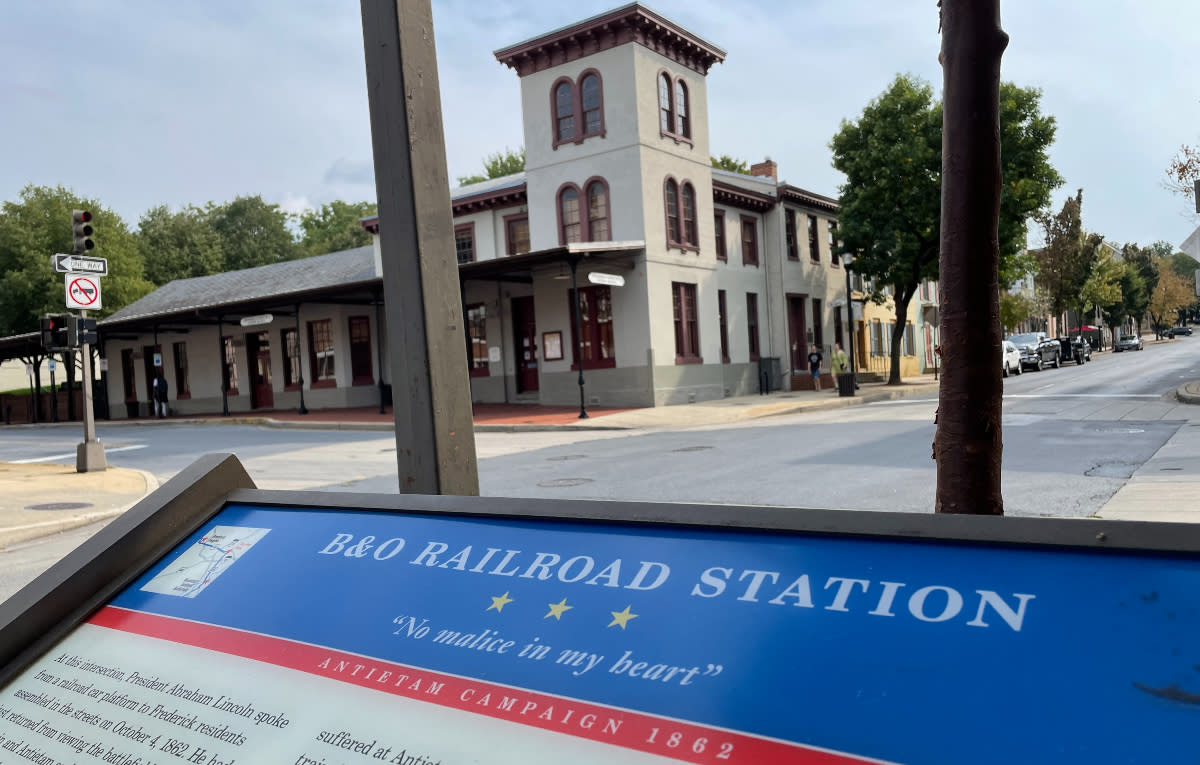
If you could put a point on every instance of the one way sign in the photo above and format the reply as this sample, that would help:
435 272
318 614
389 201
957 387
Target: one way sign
80 264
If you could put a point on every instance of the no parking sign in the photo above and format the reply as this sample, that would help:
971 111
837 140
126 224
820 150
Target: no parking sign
83 291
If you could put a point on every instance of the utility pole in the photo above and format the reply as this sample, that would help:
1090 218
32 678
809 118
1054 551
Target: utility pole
968 443
89 455
431 392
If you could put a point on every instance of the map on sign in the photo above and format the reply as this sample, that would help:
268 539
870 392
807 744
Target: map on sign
211 556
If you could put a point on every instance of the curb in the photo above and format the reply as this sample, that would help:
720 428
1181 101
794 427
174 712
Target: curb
1186 396
31 531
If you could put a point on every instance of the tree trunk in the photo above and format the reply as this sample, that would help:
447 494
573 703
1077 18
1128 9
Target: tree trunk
897 340
968 443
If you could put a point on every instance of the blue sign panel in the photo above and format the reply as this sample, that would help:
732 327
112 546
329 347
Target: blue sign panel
350 636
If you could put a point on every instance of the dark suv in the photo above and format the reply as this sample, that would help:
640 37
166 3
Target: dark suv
1037 350
1081 349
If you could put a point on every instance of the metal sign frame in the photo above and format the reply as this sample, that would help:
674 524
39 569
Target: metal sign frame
54 604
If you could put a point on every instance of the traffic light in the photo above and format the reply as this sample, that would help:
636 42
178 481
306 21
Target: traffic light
86 334
55 331
81 223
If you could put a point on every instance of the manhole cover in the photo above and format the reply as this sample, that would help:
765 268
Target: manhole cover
691 449
59 506
559 482
565 457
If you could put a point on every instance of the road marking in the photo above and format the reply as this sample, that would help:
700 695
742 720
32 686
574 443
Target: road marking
54 457
1082 395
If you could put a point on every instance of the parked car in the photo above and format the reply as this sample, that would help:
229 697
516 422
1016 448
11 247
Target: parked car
1037 350
1128 343
1178 332
1010 358
1080 349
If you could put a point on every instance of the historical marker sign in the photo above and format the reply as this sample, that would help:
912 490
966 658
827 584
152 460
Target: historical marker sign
303 628
83 291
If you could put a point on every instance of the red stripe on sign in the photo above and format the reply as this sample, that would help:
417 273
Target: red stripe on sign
682 741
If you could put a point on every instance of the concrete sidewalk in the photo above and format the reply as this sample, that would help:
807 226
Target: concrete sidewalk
36 500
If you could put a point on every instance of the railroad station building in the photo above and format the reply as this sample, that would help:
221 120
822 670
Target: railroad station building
691 283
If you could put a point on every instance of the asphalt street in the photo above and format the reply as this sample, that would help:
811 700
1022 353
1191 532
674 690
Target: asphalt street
1072 436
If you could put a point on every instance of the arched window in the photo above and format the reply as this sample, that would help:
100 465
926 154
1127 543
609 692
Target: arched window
683 125
665 119
672 203
687 196
564 112
598 225
569 215
593 115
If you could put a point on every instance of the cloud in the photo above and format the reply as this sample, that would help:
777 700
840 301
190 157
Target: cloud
351 171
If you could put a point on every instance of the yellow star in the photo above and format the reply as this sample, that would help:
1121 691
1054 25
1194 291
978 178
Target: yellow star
557 609
500 602
621 618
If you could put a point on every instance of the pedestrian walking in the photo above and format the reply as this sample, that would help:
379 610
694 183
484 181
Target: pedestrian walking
160 396
814 366
838 363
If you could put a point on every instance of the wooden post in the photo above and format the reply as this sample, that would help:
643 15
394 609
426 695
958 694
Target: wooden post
431 393
968 443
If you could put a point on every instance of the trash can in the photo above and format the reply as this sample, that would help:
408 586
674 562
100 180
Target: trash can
769 374
845 384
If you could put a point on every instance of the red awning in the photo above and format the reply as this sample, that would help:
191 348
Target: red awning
1085 328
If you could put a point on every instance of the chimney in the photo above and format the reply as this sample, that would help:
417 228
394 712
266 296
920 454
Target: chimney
766 169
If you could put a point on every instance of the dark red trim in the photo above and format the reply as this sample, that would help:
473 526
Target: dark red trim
508 242
788 193
183 396
671 132
681 244
743 220
585 211
603 131
631 23
558 212
555 139
468 227
734 196
722 236
323 384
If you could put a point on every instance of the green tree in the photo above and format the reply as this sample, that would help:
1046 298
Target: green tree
1063 263
497 165
178 245
1103 285
335 227
37 226
1144 262
252 232
890 205
890 214
726 162
1029 178
1133 298
1014 309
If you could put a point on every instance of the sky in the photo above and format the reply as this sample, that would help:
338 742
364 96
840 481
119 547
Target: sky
142 102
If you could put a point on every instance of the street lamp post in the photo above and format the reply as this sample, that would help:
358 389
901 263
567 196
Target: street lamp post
847 259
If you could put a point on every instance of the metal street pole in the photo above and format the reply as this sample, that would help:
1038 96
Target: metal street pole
846 260
89 455
583 415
